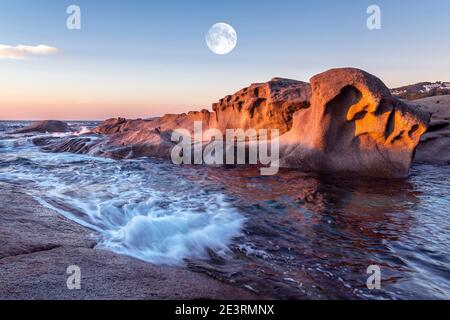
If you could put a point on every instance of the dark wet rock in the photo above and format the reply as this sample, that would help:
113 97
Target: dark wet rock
81 145
434 147
43 141
50 126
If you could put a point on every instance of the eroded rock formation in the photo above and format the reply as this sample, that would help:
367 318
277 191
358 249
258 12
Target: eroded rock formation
354 125
269 105
346 121
264 105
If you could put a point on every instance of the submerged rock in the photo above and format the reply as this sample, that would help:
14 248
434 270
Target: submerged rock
50 126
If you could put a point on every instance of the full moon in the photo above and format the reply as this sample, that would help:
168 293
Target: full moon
221 38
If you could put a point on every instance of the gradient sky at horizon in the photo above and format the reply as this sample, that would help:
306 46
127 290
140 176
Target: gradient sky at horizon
147 58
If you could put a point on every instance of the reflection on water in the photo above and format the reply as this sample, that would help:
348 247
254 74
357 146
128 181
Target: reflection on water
315 236
305 235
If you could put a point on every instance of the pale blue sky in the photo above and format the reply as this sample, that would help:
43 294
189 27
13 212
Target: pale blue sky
145 58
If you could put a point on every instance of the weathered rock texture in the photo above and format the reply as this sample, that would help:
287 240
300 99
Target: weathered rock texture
346 121
131 138
434 147
354 125
268 105
265 105
50 126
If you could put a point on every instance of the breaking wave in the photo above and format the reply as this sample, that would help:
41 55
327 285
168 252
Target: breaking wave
141 208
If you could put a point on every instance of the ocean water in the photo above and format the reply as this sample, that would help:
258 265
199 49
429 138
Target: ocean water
290 236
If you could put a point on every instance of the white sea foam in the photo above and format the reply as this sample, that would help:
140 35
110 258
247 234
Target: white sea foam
83 130
170 236
138 207
161 228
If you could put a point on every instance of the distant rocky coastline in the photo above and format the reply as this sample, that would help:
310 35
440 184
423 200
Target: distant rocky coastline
422 90
47 126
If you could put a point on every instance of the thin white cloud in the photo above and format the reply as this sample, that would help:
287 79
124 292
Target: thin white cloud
22 52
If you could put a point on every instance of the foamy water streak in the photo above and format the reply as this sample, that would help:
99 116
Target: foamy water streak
139 208
306 235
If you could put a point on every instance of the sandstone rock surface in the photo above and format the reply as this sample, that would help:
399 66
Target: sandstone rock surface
269 105
354 125
50 126
346 121
264 105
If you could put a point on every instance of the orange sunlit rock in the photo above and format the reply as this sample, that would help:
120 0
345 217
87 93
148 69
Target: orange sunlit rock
346 121
354 125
